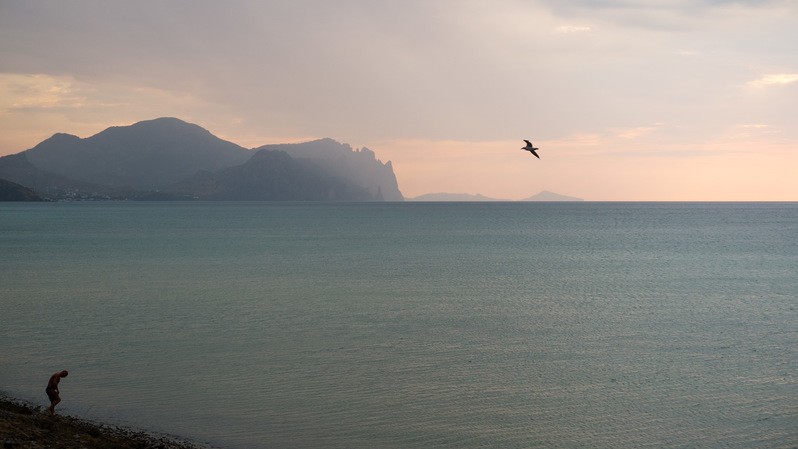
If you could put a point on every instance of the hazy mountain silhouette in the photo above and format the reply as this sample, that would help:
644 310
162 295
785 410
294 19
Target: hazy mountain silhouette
359 166
165 158
11 191
453 197
542 196
551 196
144 156
18 169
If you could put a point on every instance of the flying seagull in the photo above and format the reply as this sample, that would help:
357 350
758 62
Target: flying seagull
530 148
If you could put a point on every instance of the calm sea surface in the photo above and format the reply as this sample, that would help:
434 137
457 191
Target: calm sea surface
451 325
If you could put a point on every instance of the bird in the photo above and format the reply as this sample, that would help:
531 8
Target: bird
530 148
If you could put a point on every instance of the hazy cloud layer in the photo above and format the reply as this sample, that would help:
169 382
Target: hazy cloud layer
641 74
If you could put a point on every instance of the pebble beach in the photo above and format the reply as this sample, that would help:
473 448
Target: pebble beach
27 426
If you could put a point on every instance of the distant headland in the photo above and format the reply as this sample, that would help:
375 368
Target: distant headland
169 159
454 197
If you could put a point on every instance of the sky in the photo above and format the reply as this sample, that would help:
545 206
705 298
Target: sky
628 100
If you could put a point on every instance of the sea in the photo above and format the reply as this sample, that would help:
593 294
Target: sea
409 325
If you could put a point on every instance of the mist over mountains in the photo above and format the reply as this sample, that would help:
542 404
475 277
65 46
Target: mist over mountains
170 159
271 175
340 160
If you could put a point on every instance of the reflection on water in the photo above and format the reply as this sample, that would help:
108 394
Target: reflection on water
410 325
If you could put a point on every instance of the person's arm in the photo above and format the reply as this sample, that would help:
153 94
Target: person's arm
53 383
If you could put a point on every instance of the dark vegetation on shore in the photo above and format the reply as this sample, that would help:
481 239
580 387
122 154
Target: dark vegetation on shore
25 426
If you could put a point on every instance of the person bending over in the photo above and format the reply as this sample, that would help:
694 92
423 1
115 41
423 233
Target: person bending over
52 390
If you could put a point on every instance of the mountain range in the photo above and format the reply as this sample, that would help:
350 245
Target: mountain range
170 159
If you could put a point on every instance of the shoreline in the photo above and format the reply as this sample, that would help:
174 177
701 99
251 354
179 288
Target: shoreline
27 426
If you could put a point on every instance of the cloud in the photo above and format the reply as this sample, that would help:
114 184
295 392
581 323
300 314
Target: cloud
754 131
636 132
778 79
570 29
38 92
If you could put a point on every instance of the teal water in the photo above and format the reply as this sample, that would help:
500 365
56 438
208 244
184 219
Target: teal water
405 325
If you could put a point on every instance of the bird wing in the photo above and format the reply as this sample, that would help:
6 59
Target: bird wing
528 143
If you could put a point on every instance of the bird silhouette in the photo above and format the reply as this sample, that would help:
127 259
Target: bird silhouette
530 148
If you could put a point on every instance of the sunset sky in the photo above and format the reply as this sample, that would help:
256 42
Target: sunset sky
627 99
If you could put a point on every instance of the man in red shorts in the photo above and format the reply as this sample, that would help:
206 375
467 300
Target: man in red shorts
52 390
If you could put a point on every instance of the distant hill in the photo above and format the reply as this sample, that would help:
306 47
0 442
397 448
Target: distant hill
452 197
165 158
10 191
145 156
551 196
542 196
18 169
359 166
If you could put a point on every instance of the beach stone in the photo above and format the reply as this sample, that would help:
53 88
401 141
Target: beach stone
10 444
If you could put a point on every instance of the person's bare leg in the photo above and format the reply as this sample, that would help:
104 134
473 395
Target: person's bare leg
52 406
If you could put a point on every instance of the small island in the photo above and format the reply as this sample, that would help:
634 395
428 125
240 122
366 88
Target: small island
544 195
